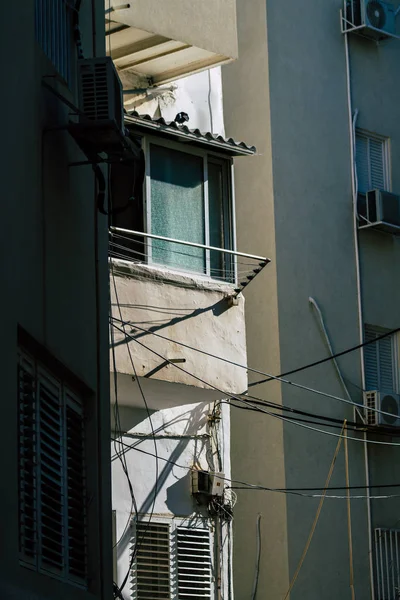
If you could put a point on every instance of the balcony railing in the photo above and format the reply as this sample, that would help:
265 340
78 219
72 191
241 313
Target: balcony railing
220 264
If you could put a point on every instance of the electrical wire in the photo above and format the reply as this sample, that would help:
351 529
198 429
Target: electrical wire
138 542
328 358
272 377
355 427
252 486
239 399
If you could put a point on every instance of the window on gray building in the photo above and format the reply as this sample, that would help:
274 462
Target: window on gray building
371 162
380 360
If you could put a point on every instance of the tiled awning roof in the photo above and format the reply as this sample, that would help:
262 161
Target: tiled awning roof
172 129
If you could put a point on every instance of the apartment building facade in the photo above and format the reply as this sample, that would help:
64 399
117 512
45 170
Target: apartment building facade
316 92
176 278
55 501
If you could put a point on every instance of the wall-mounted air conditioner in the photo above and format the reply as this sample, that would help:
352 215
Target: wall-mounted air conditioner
387 402
370 18
207 484
101 119
379 210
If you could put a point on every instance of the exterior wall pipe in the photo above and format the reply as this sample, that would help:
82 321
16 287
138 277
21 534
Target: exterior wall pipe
352 128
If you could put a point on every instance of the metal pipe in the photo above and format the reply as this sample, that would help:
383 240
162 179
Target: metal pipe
193 244
115 8
354 186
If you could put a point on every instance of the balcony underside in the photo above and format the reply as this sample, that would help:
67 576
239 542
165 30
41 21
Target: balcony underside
165 41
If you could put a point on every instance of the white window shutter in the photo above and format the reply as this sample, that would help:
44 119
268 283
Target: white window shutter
371 162
386 375
379 361
194 563
377 164
152 579
362 163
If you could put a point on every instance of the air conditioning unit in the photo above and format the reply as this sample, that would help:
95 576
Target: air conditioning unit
380 210
370 18
387 402
207 483
101 119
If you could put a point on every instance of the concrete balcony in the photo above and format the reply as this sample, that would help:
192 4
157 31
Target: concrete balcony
159 308
163 41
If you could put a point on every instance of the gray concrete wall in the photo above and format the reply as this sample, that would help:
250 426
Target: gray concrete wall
48 275
300 105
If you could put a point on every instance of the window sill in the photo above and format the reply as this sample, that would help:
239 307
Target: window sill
170 276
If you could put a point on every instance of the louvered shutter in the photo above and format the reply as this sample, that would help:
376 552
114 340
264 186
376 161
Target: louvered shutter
379 361
370 163
51 465
377 164
76 487
386 375
152 579
371 360
194 563
27 458
362 163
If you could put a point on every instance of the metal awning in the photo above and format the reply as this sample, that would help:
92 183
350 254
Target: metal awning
171 129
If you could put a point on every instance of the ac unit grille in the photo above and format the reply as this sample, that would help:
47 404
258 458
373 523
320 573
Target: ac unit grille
153 561
194 564
94 86
376 14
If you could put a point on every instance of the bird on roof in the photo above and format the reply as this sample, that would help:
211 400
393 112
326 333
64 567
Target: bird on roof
181 118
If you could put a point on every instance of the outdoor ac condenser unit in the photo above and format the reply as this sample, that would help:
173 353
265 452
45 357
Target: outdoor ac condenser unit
370 18
380 210
387 402
101 119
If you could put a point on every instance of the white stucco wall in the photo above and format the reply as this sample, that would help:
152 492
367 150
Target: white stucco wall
182 436
199 95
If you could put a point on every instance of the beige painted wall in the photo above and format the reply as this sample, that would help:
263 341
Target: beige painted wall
48 274
191 310
210 24
287 95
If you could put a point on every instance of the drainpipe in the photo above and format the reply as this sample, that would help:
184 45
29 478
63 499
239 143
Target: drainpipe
354 186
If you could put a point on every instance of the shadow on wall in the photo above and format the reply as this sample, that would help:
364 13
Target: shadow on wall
179 499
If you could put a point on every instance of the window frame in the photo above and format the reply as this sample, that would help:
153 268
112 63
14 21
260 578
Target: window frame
73 393
175 523
228 202
386 154
395 349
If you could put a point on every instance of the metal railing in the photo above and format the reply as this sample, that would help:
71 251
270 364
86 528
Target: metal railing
222 264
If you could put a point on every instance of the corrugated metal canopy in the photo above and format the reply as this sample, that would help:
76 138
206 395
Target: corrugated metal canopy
172 129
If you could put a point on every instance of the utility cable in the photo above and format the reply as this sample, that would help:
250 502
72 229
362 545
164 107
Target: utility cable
330 422
271 377
138 542
314 525
239 399
252 486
